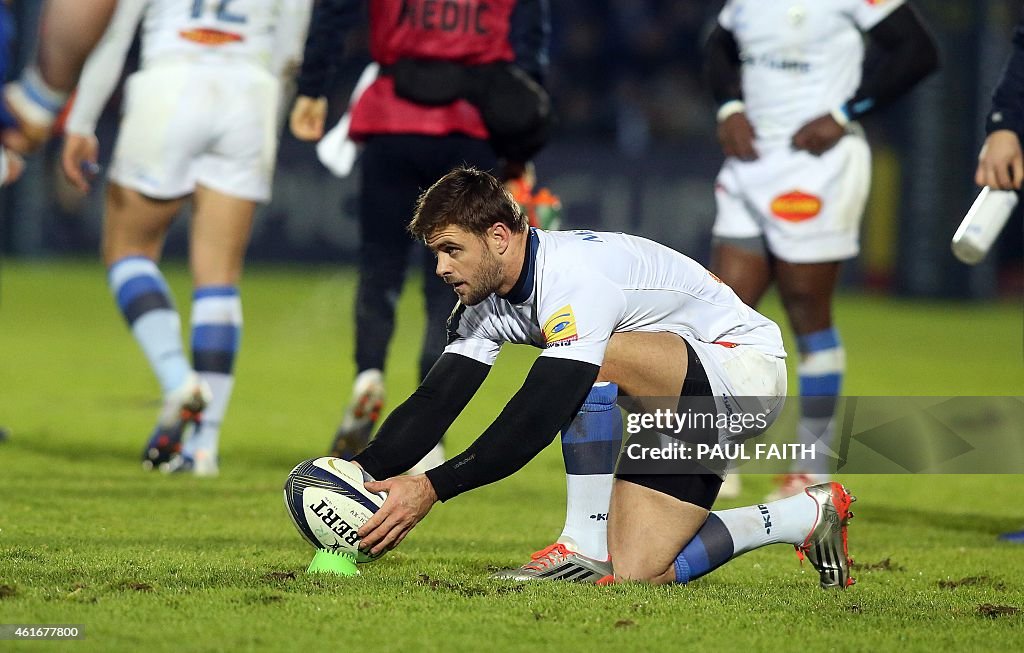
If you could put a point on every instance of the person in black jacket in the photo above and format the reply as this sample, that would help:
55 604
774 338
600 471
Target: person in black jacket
1001 163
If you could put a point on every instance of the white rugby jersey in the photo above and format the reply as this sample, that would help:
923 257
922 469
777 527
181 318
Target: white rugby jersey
801 58
580 287
267 33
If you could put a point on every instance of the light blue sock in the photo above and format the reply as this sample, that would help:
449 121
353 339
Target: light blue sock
216 334
821 368
590 449
147 307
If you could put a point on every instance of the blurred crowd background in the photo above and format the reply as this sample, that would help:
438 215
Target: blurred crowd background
636 151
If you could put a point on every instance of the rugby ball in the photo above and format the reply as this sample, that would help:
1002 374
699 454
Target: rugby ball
327 502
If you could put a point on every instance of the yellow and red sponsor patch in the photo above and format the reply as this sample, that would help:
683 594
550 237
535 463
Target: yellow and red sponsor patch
208 36
796 206
560 328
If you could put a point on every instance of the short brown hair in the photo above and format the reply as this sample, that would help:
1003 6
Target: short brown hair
467 198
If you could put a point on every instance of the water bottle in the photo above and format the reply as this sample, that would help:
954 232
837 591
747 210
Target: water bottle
982 224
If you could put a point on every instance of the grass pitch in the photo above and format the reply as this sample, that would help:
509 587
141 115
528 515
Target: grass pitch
146 561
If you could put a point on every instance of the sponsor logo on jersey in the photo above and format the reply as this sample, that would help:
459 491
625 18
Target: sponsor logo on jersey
796 206
773 62
560 328
208 36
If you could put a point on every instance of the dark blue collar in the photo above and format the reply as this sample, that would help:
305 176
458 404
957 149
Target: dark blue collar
524 284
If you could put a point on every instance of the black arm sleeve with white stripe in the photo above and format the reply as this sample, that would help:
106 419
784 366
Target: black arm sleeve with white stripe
551 395
412 429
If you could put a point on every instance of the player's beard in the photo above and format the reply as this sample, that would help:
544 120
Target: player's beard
488 280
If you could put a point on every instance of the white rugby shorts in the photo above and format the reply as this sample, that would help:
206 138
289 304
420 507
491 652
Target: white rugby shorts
185 124
744 381
807 208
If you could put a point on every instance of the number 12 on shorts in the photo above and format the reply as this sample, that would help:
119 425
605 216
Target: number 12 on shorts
223 12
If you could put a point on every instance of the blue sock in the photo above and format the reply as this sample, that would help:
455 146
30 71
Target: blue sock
728 534
709 549
590 449
822 363
216 334
145 302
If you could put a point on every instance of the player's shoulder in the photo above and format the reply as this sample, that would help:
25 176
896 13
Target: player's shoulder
584 263
584 249
575 249
570 257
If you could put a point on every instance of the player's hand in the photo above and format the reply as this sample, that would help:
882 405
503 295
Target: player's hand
15 166
736 135
80 155
308 117
409 500
819 135
1000 164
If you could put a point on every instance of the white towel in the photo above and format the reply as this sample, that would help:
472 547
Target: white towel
336 150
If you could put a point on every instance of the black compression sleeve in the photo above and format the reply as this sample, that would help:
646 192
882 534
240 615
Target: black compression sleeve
901 53
412 429
552 393
325 44
1008 99
722 66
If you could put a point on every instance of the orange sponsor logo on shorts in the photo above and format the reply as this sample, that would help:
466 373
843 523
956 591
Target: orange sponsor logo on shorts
207 36
796 206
